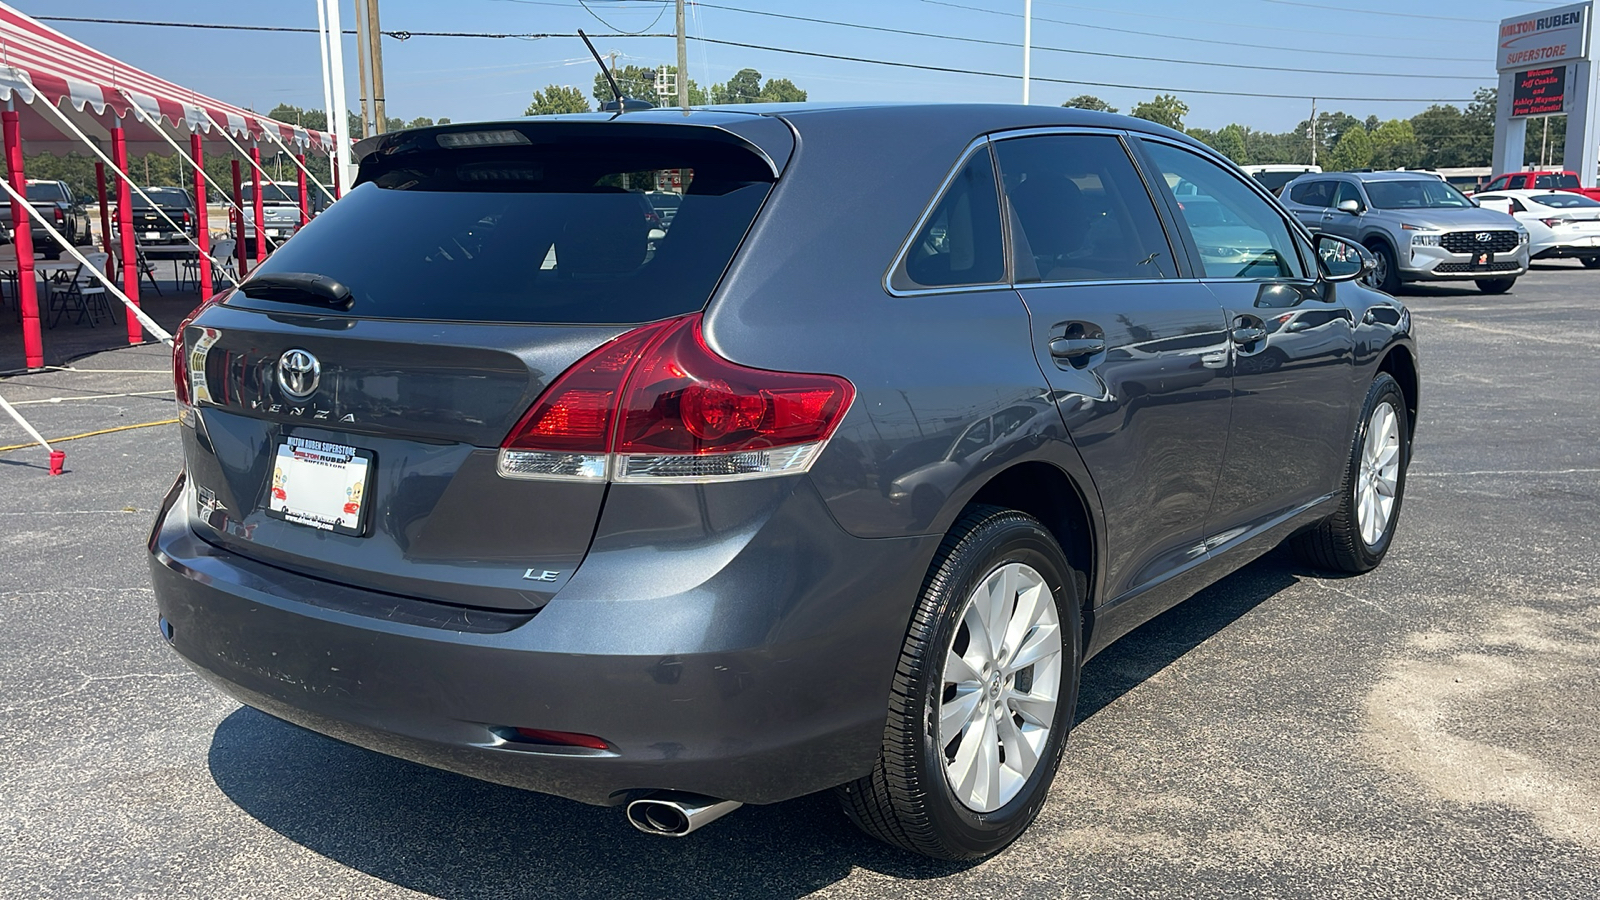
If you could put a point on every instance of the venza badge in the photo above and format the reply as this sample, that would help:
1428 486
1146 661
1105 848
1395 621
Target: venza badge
298 373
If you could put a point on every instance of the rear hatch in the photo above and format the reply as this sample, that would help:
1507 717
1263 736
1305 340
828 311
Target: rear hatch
349 402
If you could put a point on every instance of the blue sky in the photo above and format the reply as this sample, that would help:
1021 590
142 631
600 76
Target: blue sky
472 78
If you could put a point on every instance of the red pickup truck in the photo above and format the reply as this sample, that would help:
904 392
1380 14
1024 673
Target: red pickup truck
1541 181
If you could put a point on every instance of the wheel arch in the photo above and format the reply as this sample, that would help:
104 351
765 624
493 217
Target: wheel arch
1050 495
1402 366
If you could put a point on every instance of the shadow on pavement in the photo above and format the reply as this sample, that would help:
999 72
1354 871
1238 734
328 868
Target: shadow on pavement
455 837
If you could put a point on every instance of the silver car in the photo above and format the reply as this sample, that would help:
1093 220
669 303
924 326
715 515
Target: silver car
1419 227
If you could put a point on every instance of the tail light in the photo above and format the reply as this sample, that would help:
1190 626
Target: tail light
189 363
60 216
1551 223
658 405
186 219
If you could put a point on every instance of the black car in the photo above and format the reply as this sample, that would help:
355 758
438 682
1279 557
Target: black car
66 215
835 484
149 227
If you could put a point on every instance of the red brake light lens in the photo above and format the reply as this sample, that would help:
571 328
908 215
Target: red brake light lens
657 404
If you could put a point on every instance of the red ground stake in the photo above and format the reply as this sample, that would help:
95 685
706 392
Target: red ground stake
58 458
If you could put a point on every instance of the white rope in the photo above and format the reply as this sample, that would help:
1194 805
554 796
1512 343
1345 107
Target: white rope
134 187
296 160
149 324
260 226
18 416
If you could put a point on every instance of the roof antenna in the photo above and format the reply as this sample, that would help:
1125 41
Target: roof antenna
622 103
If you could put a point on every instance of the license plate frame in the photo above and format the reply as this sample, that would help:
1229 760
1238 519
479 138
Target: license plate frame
334 483
1483 260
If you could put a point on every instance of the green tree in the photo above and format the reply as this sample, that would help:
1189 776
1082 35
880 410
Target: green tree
1354 151
1394 145
635 81
743 87
1165 109
781 90
1230 142
1089 101
556 99
1442 138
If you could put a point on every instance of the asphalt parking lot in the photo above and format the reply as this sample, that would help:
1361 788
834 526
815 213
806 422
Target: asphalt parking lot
1431 729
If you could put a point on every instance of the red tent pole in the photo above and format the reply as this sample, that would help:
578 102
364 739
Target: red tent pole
238 219
202 226
105 219
305 198
338 191
258 205
130 254
22 240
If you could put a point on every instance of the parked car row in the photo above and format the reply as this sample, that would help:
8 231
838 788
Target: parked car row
68 216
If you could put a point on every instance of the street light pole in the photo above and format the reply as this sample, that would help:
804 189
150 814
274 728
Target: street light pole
1027 47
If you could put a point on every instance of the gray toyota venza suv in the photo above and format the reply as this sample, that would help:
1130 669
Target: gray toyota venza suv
833 481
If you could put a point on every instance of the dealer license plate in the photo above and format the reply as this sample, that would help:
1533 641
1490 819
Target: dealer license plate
1483 260
320 485
272 232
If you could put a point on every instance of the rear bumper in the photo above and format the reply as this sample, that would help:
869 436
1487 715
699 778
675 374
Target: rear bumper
1587 248
756 667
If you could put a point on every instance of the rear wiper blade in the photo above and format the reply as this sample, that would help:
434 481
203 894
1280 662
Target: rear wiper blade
299 287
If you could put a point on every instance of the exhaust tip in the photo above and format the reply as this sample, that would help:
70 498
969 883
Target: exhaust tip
677 815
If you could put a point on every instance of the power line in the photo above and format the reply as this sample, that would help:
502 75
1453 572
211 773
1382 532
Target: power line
1067 50
1200 40
659 13
1320 32
794 52
1379 12
397 35
1106 84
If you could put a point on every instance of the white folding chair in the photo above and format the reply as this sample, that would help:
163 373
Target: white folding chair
83 294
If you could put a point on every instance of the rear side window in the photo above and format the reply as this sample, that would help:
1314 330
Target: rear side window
1081 211
571 232
1313 193
960 243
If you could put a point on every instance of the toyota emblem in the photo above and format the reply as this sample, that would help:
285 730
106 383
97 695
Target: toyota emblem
298 373
1483 237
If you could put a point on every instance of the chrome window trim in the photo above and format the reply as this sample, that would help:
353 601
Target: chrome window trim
980 143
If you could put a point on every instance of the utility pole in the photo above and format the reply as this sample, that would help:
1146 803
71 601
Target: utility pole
1313 131
375 43
683 62
361 62
1027 47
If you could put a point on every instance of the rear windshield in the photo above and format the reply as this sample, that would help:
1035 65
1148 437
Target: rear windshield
1274 181
163 196
1556 180
561 233
46 190
1566 201
270 193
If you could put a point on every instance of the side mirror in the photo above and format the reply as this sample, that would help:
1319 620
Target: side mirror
1474 201
1341 259
1353 207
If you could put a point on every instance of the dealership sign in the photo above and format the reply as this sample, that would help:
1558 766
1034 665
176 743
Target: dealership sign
1539 92
1542 38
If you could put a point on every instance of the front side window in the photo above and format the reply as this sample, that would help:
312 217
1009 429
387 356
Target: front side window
1082 212
960 243
1238 234
1499 184
1348 191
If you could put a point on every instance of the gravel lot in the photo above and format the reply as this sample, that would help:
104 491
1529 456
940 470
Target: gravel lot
1429 730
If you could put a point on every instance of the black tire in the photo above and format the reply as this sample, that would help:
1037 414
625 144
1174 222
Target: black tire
907 801
1336 543
1387 276
1591 262
1495 285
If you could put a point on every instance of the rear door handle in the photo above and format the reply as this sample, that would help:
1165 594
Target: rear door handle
1248 334
1074 348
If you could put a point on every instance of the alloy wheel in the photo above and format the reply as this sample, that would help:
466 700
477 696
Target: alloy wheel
1001 684
1379 477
